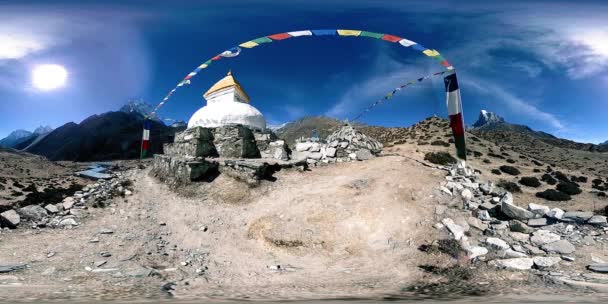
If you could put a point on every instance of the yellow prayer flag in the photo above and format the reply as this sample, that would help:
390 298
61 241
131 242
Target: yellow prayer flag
431 53
248 44
349 33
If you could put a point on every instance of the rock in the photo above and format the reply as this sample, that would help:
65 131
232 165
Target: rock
446 190
304 146
477 223
520 237
68 222
352 156
518 226
455 229
555 213
577 216
499 225
315 155
514 264
32 213
539 222
49 271
12 267
99 263
486 188
68 203
568 258
466 194
10 219
128 192
476 251
538 209
533 249
487 206
484 215
541 237
546 262
315 147
106 231
364 154
515 212
509 253
597 220
561 247
601 268
330 152
497 243
507 198
52 209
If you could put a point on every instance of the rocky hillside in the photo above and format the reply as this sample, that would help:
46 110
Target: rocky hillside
494 128
112 135
307 127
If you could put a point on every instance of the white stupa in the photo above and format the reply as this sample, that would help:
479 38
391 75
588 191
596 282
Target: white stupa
227 104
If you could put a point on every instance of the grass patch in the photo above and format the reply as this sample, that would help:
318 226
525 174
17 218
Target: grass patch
440 158
509 186
569 188
509 170
530 181
553 195
547 178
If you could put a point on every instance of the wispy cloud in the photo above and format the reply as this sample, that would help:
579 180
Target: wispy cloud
516 104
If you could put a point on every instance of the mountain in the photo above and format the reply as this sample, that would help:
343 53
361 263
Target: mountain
307 127
112 135
604 143
492 127
43 130
15 138
140 107
487 118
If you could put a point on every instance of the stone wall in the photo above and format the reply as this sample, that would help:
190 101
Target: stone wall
235 141
180 170
345 144
195 142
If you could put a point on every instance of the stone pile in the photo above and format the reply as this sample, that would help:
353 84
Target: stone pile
200 153
345 144
518 238
67 213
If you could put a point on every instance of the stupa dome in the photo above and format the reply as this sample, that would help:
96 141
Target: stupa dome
227 104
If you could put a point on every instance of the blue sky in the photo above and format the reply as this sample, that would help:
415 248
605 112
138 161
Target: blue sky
539 63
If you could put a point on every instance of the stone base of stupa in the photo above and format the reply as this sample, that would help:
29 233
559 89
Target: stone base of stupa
199 154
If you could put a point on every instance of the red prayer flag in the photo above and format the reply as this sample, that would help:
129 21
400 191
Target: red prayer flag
391 38
280 36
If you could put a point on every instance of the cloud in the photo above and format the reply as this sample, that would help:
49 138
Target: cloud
514 103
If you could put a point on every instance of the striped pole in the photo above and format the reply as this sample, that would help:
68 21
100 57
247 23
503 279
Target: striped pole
455 113
145 140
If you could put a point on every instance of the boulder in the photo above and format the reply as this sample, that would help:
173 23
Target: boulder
597 220
541 237
555 213
51 208
514 263
10 219
538 222
561 247
68 203
497 243
330 152
456 230
484 215
546 262
518 226
303 146
32 213
538 209
601 268
486 188
466 194
363 154
510 253
515 212
577 216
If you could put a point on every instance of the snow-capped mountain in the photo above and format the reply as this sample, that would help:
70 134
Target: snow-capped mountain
14 138
138 106
43 130
487 118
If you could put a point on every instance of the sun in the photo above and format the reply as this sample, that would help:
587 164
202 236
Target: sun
49 76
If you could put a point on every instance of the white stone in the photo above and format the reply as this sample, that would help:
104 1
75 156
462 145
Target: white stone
510 253
455 229
514 264
546 262
227 113
466 194
68 203
497 243
538 209
541 237
10 217
303 146
330 152
51 208
556 213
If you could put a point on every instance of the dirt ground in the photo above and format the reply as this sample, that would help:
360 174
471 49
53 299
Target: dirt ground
354 228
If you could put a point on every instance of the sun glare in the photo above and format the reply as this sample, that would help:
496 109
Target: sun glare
49 77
